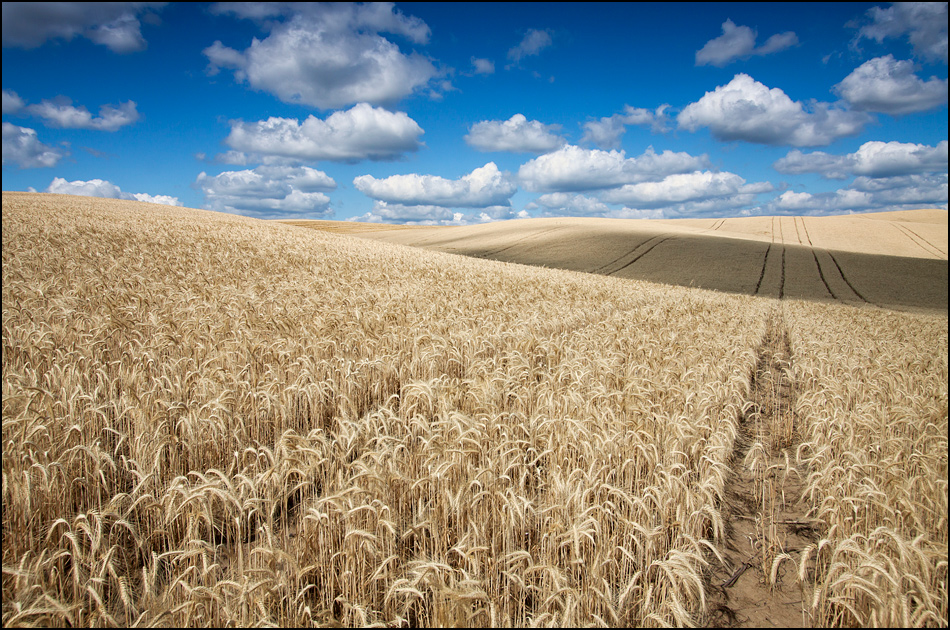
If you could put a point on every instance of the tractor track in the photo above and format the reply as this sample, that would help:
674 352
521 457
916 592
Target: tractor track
920 241
526 237
650 243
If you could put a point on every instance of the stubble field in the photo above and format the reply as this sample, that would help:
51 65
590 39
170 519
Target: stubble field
210 420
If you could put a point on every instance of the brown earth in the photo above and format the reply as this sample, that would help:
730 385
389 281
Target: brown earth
889 259
763 512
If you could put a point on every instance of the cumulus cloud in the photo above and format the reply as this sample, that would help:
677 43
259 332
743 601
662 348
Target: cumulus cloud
105 189
483 187
384 212
61 113
114 25
828 165
606 132
515 135
865 194
22 148
361 132
533 42
745 109
924 24
738 42
483 66
328 55
890 86
12 103
791 202
572 205
269 191
573 169
681 188
873 159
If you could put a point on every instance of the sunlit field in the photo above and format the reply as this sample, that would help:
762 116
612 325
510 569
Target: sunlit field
210 420
885 259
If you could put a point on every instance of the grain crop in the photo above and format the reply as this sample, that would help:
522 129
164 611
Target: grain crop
874 422
210 420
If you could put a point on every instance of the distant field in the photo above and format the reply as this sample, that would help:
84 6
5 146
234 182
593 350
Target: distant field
889 259
216 421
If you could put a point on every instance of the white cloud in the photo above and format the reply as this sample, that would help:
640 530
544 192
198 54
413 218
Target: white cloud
515 135
830 166
636 213
790 202
62 114
924 23
681 188
678 195
571 204
420 214
22 148
483 66
888 159
329 55
361 132
12 103
112 24
375 17
383 212
269 191
483 187
233 158
606 132
533 42
738 42
887 85
904 192
105 189
873 159
573 169
745 109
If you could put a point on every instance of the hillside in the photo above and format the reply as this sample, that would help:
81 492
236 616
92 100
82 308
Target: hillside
891 259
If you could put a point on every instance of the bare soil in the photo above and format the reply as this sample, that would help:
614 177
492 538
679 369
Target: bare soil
762 511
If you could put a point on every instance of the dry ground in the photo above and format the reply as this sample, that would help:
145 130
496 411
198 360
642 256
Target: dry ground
888 259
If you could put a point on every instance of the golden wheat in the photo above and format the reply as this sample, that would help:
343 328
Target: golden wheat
209 420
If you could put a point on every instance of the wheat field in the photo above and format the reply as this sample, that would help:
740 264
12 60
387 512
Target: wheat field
885 259
210 420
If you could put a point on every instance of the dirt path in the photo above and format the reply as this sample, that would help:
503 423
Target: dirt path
761 510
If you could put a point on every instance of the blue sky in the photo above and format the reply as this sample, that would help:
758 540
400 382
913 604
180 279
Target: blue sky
463 113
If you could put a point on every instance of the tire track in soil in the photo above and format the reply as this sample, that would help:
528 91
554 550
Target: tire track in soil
765 260
845 278
821 274
920 241
762 511
520 240
647 246
781 289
